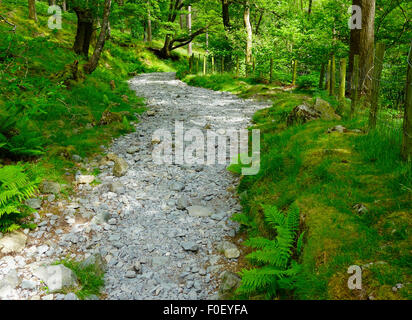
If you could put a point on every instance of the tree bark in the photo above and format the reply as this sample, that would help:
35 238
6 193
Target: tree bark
354 46
226 14
366 48
249 41
407 120
84 31
310 7
32 10
189 27
92 64
149 28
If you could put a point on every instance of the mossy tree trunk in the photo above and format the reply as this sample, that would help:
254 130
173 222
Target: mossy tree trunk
32 10
94 60
85 23
376 79
407 120
366 49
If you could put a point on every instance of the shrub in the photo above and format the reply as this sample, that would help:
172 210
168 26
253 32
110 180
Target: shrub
276 269
16 185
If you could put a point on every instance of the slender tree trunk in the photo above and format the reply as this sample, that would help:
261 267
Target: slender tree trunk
64 5
366 49
149 28
32 10
354 46
310 7
407 120
92 64
249 41
189 26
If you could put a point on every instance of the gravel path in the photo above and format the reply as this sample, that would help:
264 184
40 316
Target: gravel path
154 230
160 228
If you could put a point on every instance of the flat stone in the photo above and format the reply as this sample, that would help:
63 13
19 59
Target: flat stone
190 246
117 187
85 179
199 211
34 203
13 242
50 187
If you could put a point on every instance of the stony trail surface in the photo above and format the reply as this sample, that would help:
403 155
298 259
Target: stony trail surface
159 228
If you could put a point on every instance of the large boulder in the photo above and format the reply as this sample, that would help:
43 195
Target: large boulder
305 112
326 110
56 277
302 114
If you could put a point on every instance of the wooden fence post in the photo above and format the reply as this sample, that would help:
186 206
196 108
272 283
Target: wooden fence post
295 72
190 64
271 70
237 67
354 85
327 87
332 77
322 77
213 64
407 120
376 81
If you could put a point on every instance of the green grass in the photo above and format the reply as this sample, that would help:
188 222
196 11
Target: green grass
326 175
90 278
64 117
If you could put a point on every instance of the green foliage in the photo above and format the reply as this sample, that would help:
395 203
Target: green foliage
274 257
16 185
91 278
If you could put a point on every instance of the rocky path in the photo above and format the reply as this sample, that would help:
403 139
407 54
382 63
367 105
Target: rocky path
160 228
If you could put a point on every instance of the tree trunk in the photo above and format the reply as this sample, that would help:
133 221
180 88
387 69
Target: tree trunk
92 64
407 120
149 28
354 46
249 41
310 7
366 48
226 14
165 51
84 31
189 26
32 10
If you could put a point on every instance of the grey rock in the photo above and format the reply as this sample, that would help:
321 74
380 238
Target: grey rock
56 277
159 261
200 211
70 296
182 203
230 282
177 186
117 187
28 284
50 187
34 203
190 246
13 242
95 260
